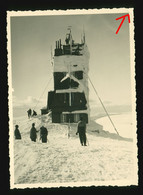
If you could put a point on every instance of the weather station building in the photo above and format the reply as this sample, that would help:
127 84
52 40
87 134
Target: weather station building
70 98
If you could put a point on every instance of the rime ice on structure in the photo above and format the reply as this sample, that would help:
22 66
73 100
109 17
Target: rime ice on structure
69 100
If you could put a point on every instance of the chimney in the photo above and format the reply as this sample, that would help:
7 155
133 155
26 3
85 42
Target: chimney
60 43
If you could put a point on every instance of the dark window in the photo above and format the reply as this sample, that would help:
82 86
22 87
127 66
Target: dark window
78 74
58 76
59 102
68 83
74 84
51 95
78 101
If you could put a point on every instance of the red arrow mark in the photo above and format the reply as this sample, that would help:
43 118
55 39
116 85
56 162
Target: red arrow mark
122 21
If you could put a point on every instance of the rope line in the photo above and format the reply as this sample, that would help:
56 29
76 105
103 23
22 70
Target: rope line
43 92
103 106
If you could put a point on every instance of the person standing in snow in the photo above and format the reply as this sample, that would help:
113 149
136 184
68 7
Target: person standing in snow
17 133
33 133
81 130
43 134
29 113
34 113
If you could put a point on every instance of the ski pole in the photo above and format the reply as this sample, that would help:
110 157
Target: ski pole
87 140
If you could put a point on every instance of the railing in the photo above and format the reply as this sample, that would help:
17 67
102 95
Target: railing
76 49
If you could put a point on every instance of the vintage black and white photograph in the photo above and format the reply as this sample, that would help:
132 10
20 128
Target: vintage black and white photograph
72 98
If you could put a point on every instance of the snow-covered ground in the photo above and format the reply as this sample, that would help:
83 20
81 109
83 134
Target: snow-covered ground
62 159
122 122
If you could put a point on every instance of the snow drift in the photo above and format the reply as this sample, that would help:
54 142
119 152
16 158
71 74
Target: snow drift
108 157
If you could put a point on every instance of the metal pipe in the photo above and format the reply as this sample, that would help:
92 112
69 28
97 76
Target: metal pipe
56 45
60 43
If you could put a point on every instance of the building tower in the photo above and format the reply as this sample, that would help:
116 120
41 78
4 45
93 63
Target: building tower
70 98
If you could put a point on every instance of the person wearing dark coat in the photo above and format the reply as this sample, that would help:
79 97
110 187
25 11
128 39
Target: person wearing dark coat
17 133
33 133
29 113
81 130
34 113
43 134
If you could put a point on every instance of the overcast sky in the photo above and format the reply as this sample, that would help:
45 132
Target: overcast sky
109 65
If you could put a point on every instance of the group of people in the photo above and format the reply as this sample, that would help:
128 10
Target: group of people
33 133
81 130
43 133
29 112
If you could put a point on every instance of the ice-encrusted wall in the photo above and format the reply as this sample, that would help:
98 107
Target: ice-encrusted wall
72 63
